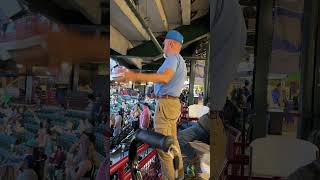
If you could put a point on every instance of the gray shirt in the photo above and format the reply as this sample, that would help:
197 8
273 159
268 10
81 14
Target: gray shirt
227 45
27 174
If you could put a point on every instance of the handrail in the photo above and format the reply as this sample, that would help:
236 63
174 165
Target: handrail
120 165
143 162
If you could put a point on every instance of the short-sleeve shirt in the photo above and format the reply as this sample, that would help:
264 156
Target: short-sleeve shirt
173 88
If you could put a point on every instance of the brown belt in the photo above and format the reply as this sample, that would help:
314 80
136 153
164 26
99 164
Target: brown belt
167 97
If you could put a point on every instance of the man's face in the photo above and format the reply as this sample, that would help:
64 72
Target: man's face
166 46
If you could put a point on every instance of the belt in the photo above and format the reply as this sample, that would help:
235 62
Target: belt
167 97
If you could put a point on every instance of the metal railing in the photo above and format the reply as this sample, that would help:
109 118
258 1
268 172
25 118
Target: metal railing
120 170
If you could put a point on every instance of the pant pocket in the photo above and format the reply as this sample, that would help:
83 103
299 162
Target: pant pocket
170 110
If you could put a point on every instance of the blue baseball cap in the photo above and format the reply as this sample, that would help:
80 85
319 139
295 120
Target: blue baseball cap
175 35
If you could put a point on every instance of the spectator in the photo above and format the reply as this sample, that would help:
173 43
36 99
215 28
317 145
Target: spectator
40 161
48 143
118 124
81 160
41 135
81 126
55 162
145 117
96 109
276 95
26 169
199 131
89 108
135 113
112 120
30 145
105 165
7 172
288 107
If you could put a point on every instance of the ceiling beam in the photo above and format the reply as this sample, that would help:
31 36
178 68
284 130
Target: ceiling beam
144 25
118 42
57 13
151 59
198 29
186 11
162 14
125 9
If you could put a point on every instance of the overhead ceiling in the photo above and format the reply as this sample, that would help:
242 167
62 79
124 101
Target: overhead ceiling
86 12
160 15
129 36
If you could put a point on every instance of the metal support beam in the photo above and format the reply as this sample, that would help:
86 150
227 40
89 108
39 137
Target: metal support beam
306 122
316 103
162 14
185 11
29 85
75 79
191 82
118 42
262 60
206 78
190 58
197 30
145 26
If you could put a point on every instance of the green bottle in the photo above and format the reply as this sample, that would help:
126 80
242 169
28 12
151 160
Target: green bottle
191 172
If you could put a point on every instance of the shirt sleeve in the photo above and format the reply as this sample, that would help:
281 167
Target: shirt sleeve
171 63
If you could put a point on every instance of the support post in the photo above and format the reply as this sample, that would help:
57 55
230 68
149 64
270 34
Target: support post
206 78
75 79
262 59
29 85
191 82
306 122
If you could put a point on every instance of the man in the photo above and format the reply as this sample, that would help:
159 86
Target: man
117 124
26 170
227 43
144 117
276 95
168 83
198 131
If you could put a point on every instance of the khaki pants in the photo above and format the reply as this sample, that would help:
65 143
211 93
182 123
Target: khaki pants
166 115
218 145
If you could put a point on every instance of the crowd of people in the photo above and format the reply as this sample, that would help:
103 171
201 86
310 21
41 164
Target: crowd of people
38 153
136 112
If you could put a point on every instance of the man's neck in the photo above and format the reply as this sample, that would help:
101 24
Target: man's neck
171 53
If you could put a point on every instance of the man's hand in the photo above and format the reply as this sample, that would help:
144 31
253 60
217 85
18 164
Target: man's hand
127 76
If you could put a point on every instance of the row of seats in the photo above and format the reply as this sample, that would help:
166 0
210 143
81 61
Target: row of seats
6 141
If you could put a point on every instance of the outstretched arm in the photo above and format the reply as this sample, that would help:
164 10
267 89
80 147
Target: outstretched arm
163 77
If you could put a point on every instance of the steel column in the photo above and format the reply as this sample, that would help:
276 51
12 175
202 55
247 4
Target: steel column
262 59
191 82
206 78
307 65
